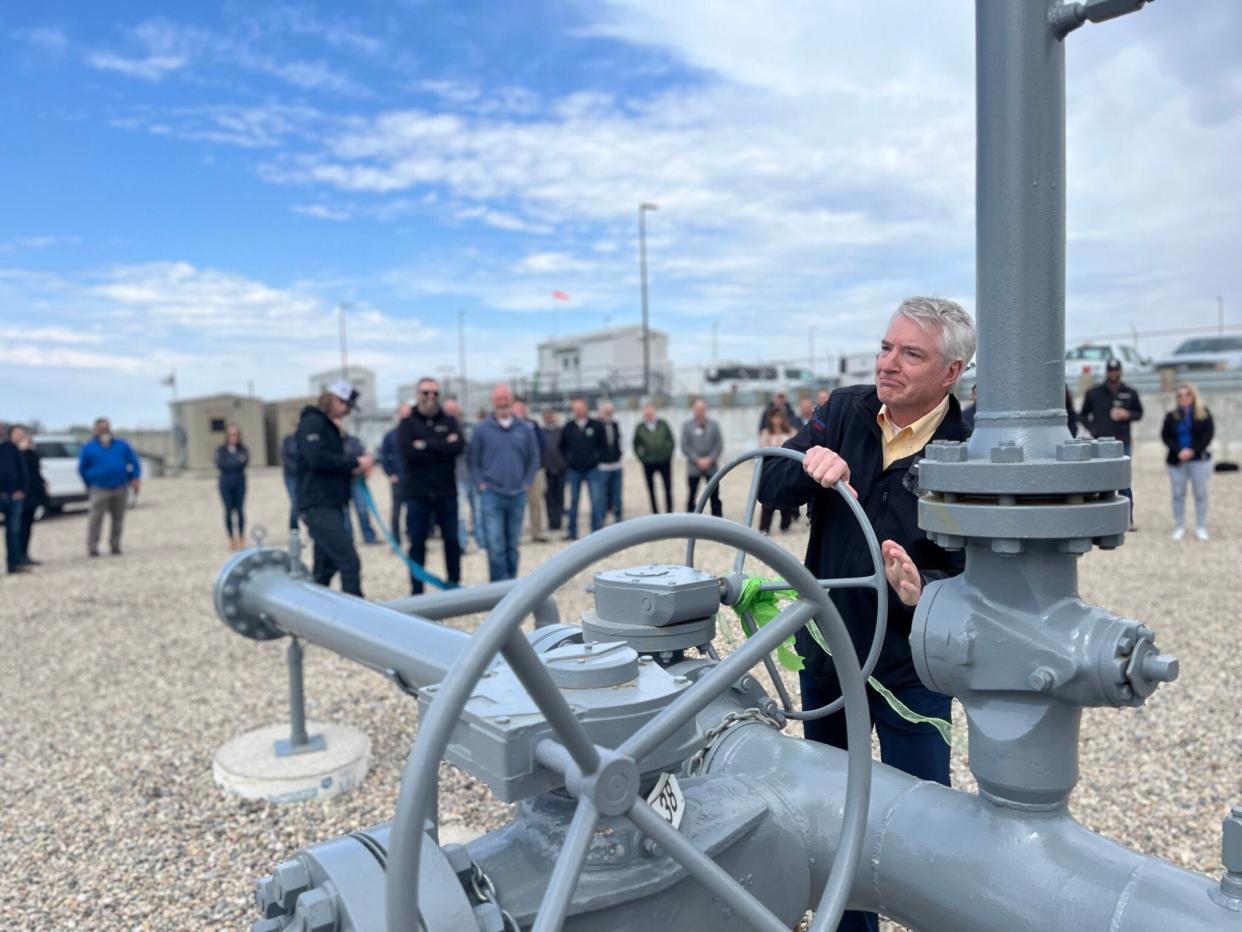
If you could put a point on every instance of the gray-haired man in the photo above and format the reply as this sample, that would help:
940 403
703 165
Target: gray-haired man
870 436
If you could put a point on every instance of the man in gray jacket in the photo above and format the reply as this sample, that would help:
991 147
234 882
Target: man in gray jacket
703 445
504 457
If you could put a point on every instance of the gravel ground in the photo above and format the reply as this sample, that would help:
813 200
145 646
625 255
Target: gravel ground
118 684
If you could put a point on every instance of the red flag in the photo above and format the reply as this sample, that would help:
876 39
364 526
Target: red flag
560 296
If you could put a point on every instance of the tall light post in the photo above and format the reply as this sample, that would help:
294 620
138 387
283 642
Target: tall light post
461 358
642 264
340 314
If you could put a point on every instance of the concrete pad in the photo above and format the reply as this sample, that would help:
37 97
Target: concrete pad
248 766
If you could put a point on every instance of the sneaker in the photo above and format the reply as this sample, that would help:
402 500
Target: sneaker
92 553
116 551
1201 533
1178 533
21 568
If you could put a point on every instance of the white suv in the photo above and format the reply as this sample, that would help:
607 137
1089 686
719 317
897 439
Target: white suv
1092 359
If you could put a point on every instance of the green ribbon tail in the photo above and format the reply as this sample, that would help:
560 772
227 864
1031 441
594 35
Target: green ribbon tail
763 608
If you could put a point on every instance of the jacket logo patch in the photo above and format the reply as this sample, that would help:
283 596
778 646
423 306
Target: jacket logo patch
911 482
311 438
441 428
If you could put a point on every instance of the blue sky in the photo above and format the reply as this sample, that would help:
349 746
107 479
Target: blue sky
197 187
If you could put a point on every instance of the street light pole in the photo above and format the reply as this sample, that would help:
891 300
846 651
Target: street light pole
642 264
340 313
461 359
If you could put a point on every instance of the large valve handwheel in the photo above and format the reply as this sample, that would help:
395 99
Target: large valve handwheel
876 581
606 781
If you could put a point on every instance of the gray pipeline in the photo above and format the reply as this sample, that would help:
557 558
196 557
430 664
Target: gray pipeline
418 650
452 603
941 860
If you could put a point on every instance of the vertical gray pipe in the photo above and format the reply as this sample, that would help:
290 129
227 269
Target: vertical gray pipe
297 698
1020 224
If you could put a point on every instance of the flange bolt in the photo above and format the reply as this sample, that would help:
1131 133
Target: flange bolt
290 879
1042 680
317 911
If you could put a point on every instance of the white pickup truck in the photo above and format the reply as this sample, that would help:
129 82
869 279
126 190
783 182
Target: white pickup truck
58 461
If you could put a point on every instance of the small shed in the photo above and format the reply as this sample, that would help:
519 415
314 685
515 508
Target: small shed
199 425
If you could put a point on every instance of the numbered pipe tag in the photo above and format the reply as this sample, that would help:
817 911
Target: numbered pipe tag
667 799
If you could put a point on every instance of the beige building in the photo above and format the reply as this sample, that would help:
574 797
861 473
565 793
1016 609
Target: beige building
199 424
281 418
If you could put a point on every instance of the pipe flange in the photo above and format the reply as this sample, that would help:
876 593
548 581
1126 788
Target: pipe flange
227 592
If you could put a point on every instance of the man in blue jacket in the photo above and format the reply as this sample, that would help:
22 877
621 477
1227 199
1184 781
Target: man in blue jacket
108 467
390 462
504 456
870 436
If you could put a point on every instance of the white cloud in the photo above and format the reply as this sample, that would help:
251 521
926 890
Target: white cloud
149 67
217 329
321 212
50 40
550 262
49 335
168 47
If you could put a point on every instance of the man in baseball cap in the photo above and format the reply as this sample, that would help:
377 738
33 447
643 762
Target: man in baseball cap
346 392
324 474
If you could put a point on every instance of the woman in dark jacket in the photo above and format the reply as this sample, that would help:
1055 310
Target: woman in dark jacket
1187 432
231 459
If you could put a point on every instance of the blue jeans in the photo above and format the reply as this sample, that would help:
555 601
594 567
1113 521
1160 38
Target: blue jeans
364 519
502 526
610 479
11 508
234 497
291 486
468 499
593 478
419 514
916 749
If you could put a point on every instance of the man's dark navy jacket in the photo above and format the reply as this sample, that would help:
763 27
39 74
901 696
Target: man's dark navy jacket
847 425
324 470
430 469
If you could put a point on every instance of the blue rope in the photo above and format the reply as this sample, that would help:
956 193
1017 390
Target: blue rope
415 570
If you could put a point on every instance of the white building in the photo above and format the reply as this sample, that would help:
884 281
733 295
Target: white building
602 361
360 377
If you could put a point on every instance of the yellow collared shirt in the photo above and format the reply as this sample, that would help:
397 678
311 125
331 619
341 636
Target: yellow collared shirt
900 442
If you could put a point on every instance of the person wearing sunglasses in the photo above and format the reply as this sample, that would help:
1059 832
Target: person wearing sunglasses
429 442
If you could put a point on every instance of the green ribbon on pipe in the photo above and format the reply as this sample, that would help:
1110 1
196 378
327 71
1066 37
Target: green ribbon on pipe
763 607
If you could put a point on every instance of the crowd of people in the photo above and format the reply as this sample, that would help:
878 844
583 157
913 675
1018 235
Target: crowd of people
484 481
110 472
